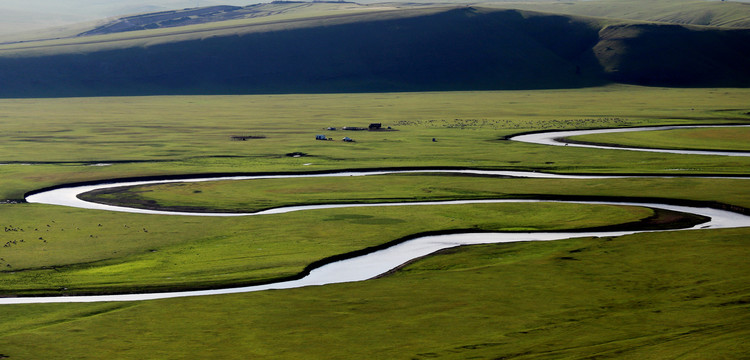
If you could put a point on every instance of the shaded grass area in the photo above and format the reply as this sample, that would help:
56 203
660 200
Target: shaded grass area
412 48
71 253
660 295
455 47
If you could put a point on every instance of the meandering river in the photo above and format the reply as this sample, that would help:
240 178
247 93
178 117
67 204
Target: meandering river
378 262
557 138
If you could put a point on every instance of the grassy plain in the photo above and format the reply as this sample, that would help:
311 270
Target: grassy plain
650 296
138 252
660 295
53 141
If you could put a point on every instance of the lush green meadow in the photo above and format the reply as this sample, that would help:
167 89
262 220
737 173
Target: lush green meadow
650 296
657 295
52 141
129 253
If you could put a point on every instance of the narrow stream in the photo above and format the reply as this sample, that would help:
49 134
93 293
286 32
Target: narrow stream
376 263
367 266
557 138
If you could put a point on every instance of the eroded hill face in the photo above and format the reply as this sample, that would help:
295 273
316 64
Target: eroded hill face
211 14
172 18
415 49
670 55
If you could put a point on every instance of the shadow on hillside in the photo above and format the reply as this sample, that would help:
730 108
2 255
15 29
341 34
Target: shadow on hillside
462 48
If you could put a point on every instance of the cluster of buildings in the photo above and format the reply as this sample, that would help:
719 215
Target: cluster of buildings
371 127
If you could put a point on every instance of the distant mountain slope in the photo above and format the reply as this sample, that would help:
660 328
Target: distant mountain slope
669 55
180 18
446 48
209 14
170 18
19 16
684 12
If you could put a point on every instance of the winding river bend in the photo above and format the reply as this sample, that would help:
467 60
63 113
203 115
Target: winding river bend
378 262
557 138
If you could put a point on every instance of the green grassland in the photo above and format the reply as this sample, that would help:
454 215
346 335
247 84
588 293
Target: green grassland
139 252
638 297
138 136
656 295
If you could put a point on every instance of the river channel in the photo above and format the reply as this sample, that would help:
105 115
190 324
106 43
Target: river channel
558 138
379 262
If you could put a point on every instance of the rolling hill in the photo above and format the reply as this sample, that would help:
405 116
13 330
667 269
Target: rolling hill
732 14
374 49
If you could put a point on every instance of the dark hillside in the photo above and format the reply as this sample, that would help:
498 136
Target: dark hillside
458 48
671 55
